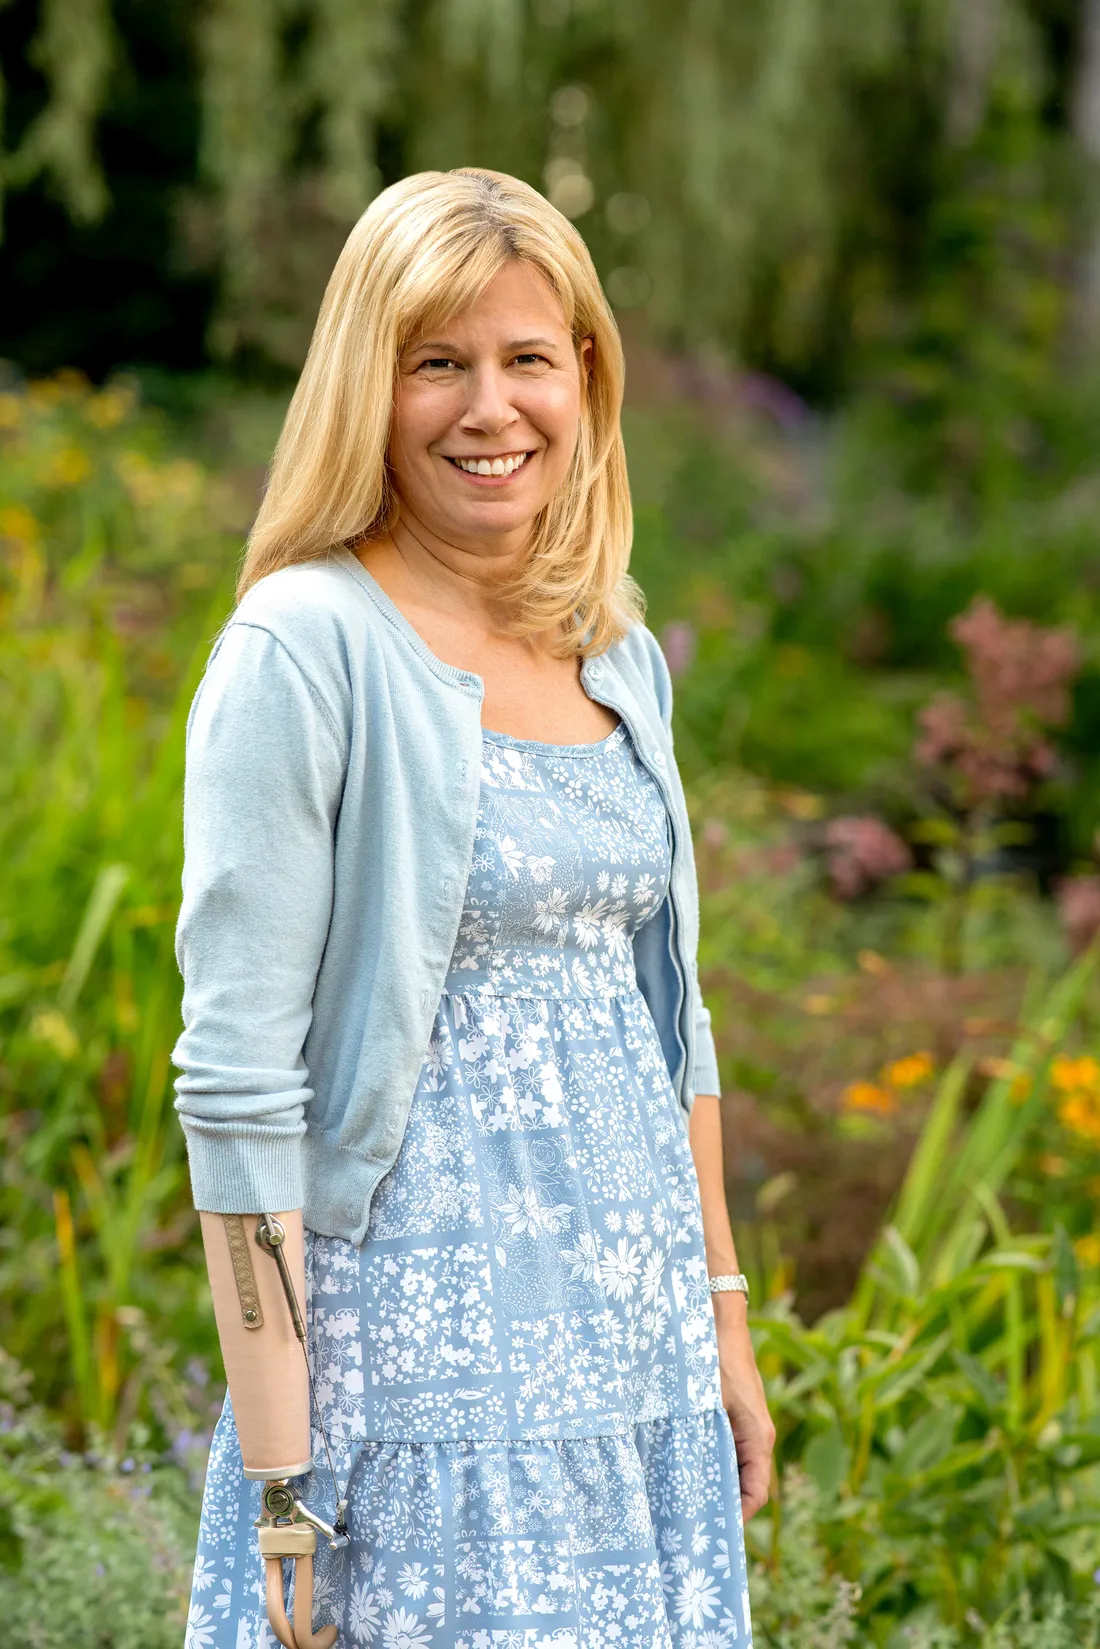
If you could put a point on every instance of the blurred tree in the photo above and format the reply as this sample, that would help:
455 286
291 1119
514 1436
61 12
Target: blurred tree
90 267
781 179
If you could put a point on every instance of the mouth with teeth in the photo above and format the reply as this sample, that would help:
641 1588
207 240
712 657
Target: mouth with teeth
504 464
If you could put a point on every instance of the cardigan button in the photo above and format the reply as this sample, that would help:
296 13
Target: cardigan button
595 671
658 758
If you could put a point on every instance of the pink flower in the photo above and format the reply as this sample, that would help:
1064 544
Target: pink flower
678 645
993 749
862 850
1078 899
1017 668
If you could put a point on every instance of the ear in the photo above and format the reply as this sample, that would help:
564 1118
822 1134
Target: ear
586 354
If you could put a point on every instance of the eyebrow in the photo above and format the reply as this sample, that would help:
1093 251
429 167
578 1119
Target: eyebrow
513 348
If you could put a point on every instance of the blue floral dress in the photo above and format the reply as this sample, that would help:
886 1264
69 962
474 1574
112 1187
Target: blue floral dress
518 1367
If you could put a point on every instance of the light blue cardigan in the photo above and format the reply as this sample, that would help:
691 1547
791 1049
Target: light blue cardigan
329 812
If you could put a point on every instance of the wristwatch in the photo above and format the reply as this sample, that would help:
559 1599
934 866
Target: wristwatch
730 1283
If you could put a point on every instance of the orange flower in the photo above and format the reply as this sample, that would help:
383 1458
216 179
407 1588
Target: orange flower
868 1096
909 1071
1080 1113
1070 1074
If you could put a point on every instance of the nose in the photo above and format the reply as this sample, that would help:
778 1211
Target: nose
489 406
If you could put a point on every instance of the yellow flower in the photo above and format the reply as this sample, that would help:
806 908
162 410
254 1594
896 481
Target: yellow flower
18 524
68 467
110 407
44 393
1080 1113
180 481
800 804
136 474
51 1026
909 1071
1087 1249
11 411
148 484
868 1096
72 383
1070 1074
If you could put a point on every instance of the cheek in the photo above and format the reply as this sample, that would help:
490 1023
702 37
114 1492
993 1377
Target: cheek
419 417
555 410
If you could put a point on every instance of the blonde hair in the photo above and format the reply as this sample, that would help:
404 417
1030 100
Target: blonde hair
425 249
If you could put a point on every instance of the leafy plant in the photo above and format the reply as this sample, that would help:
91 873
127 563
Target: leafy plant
948 1413
96 1551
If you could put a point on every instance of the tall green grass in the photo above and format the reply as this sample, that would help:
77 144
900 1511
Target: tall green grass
113 585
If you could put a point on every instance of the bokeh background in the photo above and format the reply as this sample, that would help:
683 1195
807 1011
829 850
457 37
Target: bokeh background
854 247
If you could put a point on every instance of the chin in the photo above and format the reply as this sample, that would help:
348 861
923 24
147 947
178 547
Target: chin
503 520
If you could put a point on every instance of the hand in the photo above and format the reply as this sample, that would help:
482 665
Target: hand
744 1401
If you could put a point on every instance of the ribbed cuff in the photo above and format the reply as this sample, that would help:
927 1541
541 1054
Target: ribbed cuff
245 1171
704 1073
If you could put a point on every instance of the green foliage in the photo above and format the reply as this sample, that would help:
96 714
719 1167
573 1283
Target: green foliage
110 1570
822 592
104 536
95 1551
798 1602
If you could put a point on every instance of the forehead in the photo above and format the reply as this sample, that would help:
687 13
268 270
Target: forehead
518 296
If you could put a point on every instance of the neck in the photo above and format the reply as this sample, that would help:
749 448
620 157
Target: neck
450 576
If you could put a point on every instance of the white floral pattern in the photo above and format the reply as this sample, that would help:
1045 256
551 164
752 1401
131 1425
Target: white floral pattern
518 1368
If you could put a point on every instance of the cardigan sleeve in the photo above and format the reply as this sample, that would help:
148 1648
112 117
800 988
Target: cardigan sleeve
264 779
703 1078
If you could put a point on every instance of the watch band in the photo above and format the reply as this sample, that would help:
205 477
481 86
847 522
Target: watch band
730 1283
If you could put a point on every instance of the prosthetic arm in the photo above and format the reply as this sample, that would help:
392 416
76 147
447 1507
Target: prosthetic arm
257 1278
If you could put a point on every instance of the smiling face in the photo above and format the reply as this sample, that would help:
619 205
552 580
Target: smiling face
486 415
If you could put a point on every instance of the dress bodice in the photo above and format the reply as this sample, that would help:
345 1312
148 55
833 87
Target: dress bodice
571 857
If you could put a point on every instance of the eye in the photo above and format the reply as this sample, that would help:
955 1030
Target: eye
437 363
531 359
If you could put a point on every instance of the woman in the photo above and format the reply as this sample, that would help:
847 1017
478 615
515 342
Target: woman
441 1010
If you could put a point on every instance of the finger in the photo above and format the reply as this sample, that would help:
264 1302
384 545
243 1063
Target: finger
755 1474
